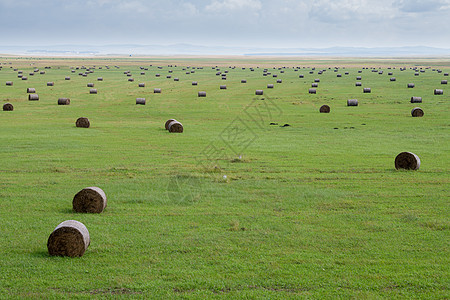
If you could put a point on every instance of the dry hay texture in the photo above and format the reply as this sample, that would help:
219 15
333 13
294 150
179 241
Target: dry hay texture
50 83
83 122
259 92
93 91
31 90
70 238
175 126
223 87
8 107
167 123
63 101
9 83
202 94
140 101
438 92
417 112
157 91
407 161
324 109
33 97
367 90
89 200
312 91
416 99
352 102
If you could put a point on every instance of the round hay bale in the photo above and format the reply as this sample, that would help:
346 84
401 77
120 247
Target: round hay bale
314 84
339 75
100 79
130 79
141 85
407 161
83 122
167 123
194 83
50 83
9 83
367 90
63 101
438 92
317 80
31 90
8 107
93 91
358 84
67 78
324 109
157 91
270 86
259 92
169 76
417 112
279 81
411 85
223 87
140 101
352 102
175 126
416 99
312 91
70 238
358 78
90 85
33 97
176 79
393 79
24 78
244 81
202 94
301 76
89 200
444 81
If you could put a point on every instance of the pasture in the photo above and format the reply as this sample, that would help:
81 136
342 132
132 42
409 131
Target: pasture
261 196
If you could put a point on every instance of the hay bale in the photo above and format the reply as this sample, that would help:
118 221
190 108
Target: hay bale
416 99
194 83
202 94
244 81
367 90
70 238
31 90
63 101
83 122
140 101
176 79
270 86
223 87
24 78
67 78
9 83
417 112
8 107
314 85
33 97
301 76
407 161
93 91
411 85
167 123
393 79
157 91
50 83
358 84
99 78
90 85
438 92
312 91
317 80
444 81
358 78
130 79
259 92
324 109
279 81
89 200
141 84
339 75
175 126
352 102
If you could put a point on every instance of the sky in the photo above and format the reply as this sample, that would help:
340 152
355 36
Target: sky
255 23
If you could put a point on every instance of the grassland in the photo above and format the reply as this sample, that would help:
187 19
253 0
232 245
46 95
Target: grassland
233 207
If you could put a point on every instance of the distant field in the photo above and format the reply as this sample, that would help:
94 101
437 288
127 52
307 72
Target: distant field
259 197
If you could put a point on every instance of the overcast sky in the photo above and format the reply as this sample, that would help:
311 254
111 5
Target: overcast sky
262 23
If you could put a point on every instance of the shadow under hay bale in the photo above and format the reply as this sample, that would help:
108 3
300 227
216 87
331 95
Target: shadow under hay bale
407 161
70 238
140 101
33 97
8 107
63 101
175 126
417 112
352 102
83 122
416 99
89 200
202 94
325 109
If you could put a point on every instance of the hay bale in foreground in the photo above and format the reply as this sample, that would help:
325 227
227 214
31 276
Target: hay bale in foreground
63 101
89 200
83 122
167 123
416 99
312 91
407 161
9 83
70 238
352 102
417 112
8 107
33 97
140 101
324 109
175 126
438 92
444 81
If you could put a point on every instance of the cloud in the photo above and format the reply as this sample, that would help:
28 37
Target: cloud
422 6
231 5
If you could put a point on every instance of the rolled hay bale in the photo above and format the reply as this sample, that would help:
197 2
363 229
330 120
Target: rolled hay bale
9 83
99 78
93 91
8 107
130 79
169 76
301 76
202 94
24 78
312 91
194 83
63 101
416 99
244 81
140 101
411 85
141 85
67 78
157 91
314 84
352 102
175 126
70 238
393 79
407 161
83 122
324 109
438 92
259 92
444 81
223 87
31 90
89 200
367 90
417 112
166 125
339 75
50 83
270 86
279 81
90 85
358 84
359 78
33 97
317 80
176 79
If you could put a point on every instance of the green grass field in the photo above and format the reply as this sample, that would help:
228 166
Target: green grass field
233 207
